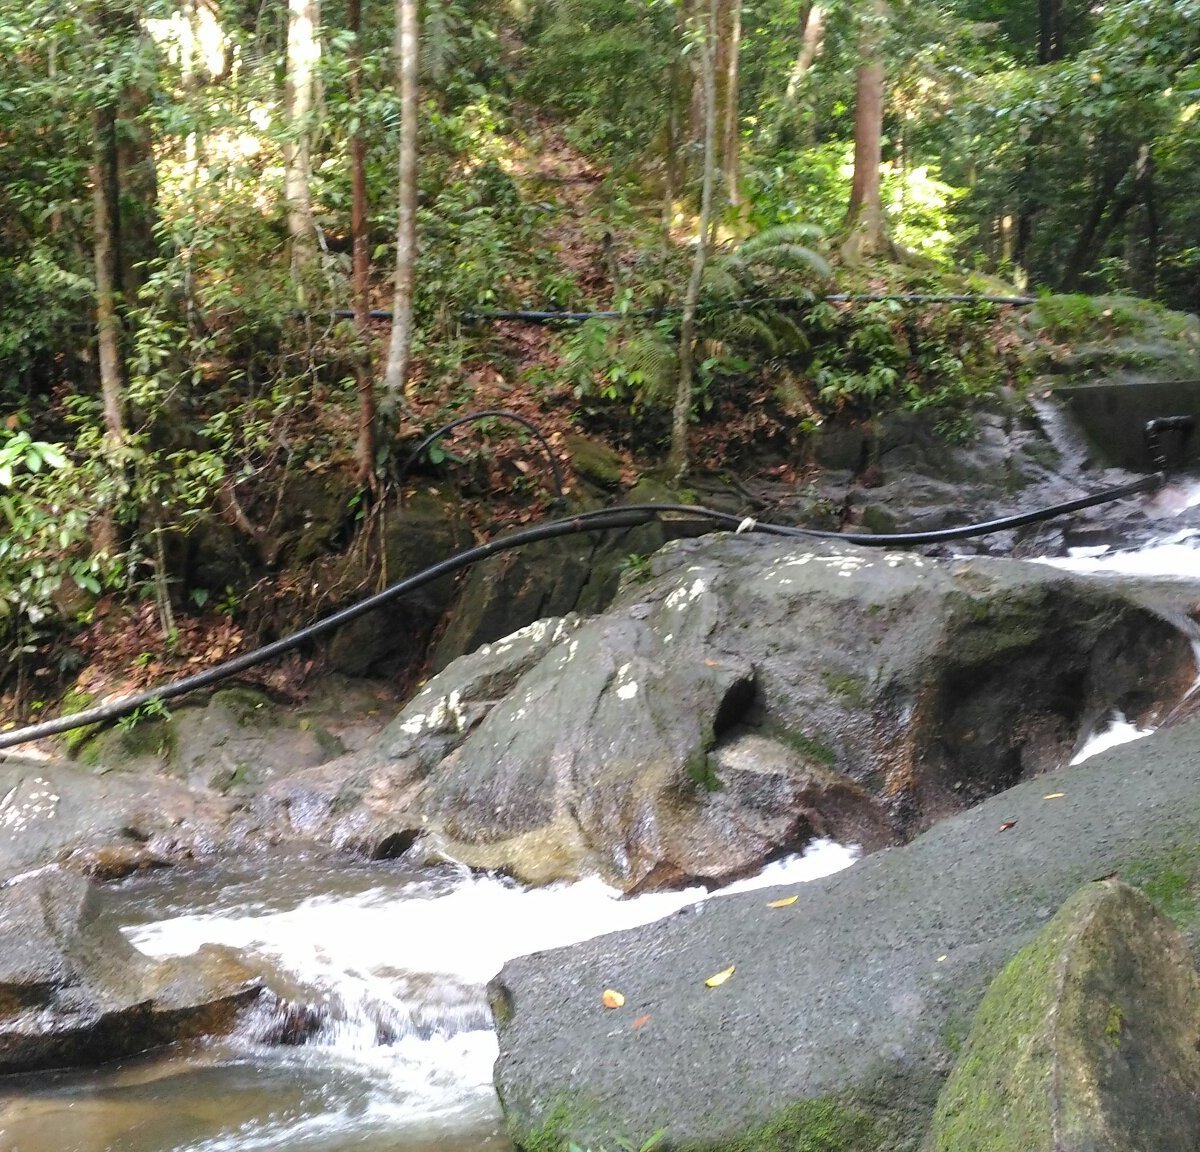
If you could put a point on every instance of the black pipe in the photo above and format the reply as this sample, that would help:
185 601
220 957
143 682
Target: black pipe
597 521
499 413
533 316
115 709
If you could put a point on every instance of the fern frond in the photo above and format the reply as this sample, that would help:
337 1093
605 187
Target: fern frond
721 279
649 356
795 232
790 256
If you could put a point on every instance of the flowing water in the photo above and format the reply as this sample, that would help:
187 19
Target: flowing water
385 967
389 962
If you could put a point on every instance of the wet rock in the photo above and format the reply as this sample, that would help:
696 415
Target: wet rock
847 1009
59 811
579 573
239 738
73 991
750 694
1086 1041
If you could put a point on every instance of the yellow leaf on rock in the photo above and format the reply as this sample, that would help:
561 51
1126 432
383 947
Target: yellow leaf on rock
784 902
612 998
720 977
1054 796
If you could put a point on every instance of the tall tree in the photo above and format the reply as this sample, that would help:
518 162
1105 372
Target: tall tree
729 43
704 29
303 56
364 452
865 221
407 49
108 320
812 39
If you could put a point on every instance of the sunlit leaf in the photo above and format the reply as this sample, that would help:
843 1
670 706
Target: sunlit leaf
720 977
1054 796
612 998
783 902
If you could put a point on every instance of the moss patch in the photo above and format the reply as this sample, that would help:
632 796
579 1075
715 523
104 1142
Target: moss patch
810 746
973 1107
1172 881
76 738
821 1125
853 688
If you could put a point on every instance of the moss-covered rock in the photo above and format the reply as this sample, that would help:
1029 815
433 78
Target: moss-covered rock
594 461
1085 1042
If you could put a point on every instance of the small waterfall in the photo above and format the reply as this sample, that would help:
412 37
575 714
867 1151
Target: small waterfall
379 1035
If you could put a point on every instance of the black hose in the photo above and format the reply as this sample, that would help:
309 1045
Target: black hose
596 521
539 317
125 705
498 413
535 316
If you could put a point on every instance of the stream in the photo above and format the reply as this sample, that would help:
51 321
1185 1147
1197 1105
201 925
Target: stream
388 964
391 960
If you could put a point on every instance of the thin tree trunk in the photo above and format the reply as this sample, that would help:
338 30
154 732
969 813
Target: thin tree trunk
681 415
811 41
303 54
364 452
865 216
108 321
1052 43
1106 216
731 121
400 347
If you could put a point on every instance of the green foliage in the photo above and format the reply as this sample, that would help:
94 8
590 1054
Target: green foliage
45 512
630 364
604 67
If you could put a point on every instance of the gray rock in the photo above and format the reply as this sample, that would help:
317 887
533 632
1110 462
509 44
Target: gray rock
1086 1041
613 743
73 991
109 824
846 1010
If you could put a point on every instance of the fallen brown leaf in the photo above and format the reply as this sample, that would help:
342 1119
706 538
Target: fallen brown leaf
640 1022
1007 825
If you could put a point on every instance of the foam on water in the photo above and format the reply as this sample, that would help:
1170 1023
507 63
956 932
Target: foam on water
1118 730
400 969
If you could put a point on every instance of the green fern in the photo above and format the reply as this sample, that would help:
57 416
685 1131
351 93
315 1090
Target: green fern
650 362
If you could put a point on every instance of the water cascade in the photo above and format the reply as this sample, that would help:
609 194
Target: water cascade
383 1039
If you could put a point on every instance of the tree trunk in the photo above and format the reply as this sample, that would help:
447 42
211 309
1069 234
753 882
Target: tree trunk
677 461
1052 44
364 453
108 321
864 219
400 347
811 41
303 54
1106 217
731 42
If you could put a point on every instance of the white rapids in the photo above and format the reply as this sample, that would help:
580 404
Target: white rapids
393 966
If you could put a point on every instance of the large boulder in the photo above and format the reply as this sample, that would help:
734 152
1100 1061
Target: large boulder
1086 1041
74 991
846 1009
750 694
